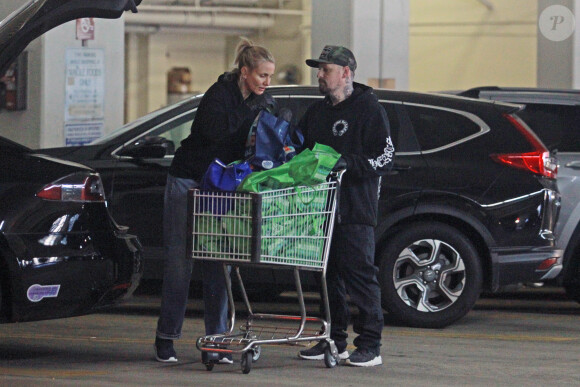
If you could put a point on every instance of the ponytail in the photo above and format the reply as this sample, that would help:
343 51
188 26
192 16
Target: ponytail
250 55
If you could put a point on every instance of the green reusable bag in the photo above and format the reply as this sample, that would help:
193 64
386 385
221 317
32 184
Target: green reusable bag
309 167
277 224
293 227
275 236
270 179
310 199
312 167
307 252
210 239
238 226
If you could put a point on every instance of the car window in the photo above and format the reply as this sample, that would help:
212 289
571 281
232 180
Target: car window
403 137
436 128
556 125
176 133
175 130
297 106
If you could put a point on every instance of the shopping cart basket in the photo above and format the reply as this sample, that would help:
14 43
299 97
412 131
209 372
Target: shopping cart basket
286 228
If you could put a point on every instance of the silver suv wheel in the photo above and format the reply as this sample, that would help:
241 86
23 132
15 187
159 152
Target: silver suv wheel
430 273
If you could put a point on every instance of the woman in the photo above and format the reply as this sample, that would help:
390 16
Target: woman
220 129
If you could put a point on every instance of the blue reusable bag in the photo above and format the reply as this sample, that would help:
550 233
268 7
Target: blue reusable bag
222 177
272 141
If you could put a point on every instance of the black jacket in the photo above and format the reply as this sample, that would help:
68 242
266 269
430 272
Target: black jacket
219 130
357 128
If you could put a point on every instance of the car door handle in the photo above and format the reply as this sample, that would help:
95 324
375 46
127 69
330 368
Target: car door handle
398 168
573 164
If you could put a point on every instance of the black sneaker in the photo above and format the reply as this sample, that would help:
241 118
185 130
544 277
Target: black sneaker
362 357
164 351
226 359
317 352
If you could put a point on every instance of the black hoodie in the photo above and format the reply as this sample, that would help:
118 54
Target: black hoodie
220 129
357 128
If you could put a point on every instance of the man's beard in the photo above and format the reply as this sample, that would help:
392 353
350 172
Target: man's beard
323 88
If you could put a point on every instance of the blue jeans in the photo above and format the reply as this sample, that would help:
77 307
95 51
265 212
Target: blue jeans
178 268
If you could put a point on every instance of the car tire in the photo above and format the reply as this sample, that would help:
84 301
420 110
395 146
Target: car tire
571 280
430 275
572 291
5 295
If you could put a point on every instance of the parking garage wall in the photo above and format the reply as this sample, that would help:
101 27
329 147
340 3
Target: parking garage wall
42 123
457 44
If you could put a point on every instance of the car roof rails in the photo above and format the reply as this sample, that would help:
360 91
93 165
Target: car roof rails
474 92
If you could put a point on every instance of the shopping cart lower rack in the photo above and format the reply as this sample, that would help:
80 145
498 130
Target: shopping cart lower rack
287 228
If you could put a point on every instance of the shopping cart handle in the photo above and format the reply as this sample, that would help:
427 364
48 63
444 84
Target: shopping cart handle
336 175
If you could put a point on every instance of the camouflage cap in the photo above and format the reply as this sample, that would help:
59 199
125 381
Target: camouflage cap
336 55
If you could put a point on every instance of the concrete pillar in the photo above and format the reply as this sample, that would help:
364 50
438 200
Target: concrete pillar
136 75
558 44
109 37
377 31
576 45
42 124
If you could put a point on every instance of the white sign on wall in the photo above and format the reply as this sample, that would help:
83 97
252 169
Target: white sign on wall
85 95
82 133
85 84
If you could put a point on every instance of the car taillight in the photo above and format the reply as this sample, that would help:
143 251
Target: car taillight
77 187
538 161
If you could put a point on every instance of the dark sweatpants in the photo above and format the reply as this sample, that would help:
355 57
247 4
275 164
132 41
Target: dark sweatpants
351 271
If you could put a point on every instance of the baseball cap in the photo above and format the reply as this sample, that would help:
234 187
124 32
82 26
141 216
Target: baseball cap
335 55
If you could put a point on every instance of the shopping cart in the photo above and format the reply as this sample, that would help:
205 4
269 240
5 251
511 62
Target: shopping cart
286 228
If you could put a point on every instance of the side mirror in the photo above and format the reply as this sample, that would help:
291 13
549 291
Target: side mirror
149 148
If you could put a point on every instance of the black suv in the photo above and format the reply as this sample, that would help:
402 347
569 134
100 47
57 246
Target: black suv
554 115
470 204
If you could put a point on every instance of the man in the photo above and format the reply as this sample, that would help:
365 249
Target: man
350 120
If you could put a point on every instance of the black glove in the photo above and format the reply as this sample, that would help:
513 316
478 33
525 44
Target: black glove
340 165
263 101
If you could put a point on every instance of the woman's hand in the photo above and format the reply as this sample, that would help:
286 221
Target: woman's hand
262 102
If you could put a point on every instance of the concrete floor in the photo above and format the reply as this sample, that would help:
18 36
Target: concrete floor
527 338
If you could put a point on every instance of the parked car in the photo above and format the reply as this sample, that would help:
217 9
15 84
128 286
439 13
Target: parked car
470 205
554 115
61 252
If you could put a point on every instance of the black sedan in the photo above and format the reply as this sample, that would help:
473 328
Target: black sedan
470 204
61 252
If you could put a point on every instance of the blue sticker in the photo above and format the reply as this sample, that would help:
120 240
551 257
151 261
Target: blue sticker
37 292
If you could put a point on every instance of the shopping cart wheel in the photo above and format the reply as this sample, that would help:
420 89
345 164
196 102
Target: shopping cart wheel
329 359
247 361
209 359
257 352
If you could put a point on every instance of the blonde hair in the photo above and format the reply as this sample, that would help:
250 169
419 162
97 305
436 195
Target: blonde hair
251 55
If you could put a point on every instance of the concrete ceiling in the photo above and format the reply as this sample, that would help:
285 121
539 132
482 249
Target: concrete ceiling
228 16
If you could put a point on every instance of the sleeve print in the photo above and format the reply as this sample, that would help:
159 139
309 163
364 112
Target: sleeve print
386 158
